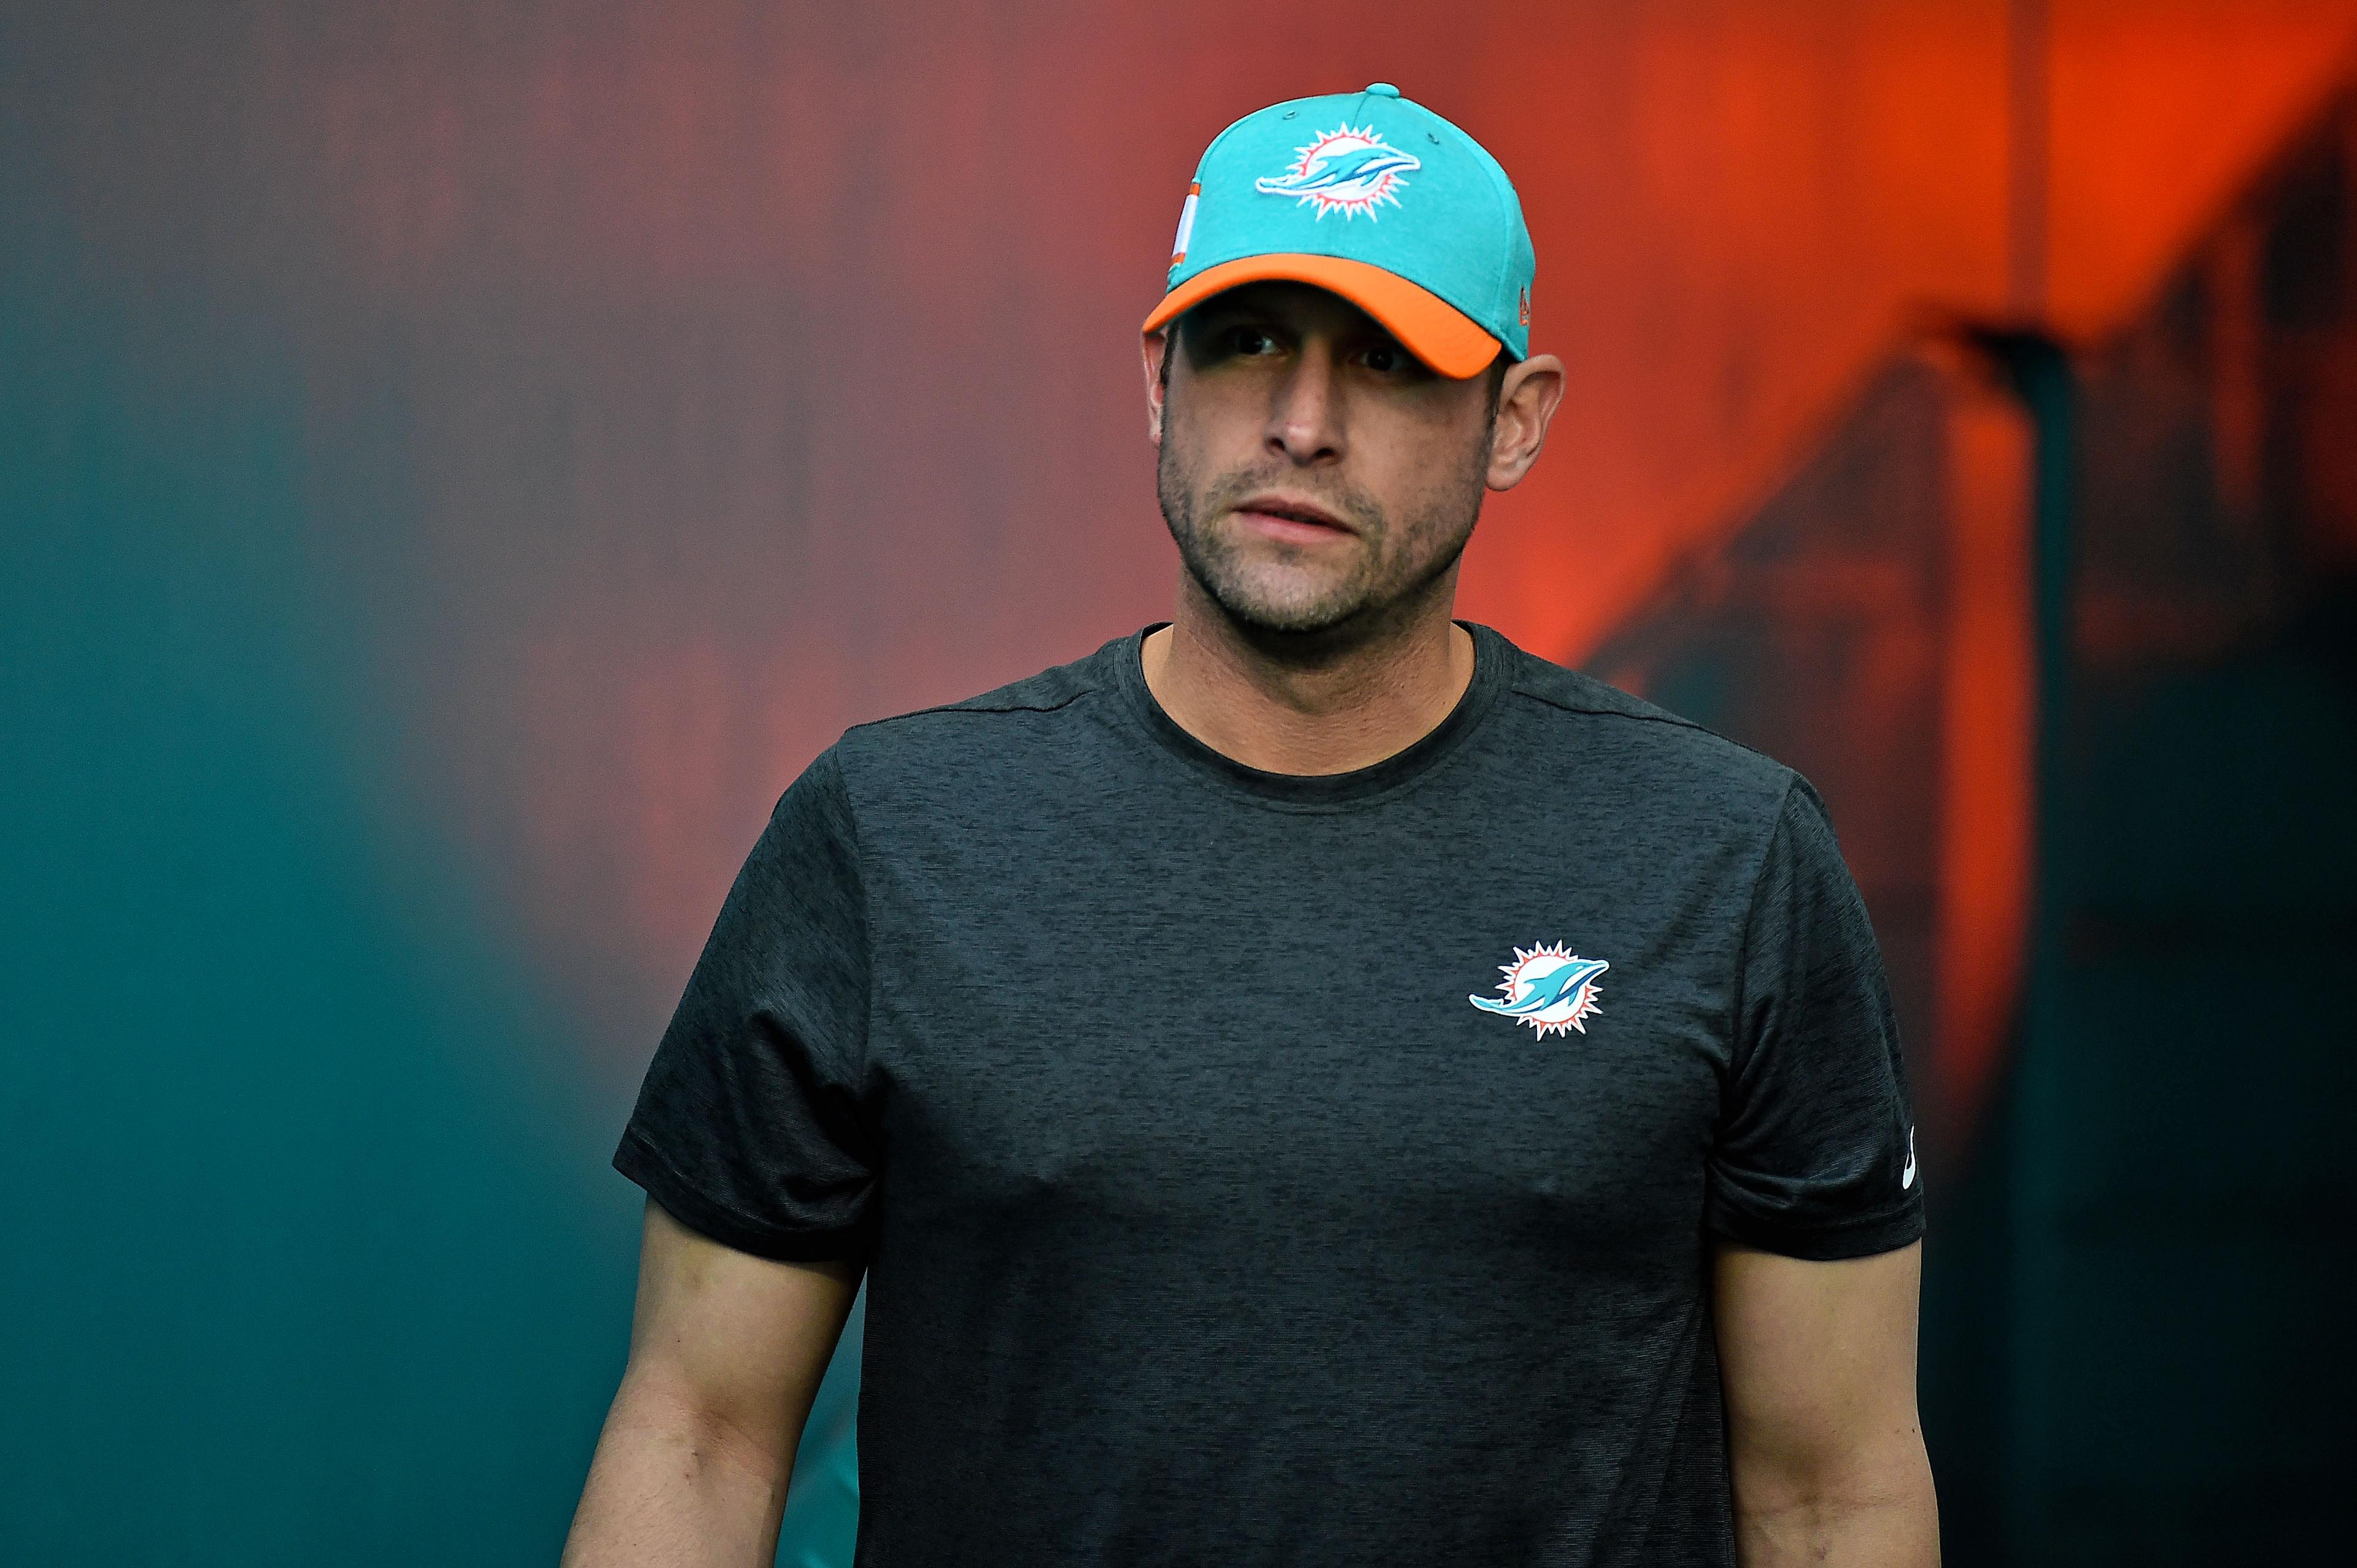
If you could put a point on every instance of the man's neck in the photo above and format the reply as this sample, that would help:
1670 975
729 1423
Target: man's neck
1347 710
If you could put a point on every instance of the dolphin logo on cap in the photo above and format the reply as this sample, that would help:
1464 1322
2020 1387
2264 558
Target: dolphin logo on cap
1345 170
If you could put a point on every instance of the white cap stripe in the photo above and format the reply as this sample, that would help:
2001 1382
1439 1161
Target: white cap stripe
1185 226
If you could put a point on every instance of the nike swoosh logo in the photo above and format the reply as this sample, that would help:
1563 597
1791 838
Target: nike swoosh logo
1907 1177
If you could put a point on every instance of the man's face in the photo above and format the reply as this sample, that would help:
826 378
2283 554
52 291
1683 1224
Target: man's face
1316 476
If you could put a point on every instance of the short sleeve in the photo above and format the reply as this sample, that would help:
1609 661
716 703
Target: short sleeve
750 1126
1814 1151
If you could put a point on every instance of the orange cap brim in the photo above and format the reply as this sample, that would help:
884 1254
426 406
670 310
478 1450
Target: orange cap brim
1427 325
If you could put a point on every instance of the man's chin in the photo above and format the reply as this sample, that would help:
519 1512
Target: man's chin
1271 591
1269 609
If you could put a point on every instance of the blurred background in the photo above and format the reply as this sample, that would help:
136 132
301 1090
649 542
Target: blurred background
460 461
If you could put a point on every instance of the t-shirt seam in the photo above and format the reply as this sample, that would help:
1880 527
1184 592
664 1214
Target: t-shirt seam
867 927
1140 725
1230 792
1736 1058
1732 1222
1591 711
974 705
1903 1208
634 1136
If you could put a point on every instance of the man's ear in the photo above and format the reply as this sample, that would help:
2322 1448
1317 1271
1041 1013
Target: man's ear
1155 346
1527 400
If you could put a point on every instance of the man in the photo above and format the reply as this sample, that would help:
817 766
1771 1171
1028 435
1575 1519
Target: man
1138 1029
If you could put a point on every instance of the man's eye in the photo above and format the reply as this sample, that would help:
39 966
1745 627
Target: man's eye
1384 359
1250 340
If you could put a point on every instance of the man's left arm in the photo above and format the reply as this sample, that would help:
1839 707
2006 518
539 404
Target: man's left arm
1824 1448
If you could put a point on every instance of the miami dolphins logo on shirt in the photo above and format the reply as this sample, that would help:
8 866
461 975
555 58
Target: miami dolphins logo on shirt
1550 988
1343 171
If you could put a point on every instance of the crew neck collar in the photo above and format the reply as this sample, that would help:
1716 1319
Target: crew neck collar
1316 790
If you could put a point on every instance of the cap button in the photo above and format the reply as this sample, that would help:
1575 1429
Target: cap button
1383 90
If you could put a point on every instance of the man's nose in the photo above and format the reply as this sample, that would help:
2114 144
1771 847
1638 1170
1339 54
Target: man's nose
1306 415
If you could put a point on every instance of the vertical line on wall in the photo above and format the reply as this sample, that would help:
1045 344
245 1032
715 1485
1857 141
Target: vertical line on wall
2029 115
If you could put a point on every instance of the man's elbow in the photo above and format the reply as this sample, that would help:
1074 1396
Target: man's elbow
674 1482
1869 1503
651 1406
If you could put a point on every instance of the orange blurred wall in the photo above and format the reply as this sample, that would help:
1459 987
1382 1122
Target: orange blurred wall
1739 207
747 372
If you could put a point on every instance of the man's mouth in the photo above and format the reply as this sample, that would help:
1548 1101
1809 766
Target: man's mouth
1295 520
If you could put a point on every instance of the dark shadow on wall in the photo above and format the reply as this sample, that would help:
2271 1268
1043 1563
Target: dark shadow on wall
2136 1268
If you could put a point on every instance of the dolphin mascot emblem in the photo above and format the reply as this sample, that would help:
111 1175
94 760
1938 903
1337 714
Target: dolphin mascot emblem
1551 989
1352 175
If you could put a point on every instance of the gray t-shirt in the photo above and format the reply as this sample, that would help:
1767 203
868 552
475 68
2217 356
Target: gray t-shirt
1254 1168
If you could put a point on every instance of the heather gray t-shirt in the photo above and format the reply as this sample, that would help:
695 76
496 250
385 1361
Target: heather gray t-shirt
1262 1169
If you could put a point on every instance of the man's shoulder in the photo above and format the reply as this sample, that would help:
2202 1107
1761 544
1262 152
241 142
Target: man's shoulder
1590 715
988 721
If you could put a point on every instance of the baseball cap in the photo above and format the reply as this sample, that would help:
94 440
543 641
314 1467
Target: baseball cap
1376 199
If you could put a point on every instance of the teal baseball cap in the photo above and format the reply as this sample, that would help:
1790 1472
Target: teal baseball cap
1380 200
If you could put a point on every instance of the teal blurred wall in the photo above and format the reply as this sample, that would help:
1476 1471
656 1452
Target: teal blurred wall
307 1259
313 1254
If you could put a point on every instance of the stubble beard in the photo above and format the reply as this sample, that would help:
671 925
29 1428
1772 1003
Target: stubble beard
1390 578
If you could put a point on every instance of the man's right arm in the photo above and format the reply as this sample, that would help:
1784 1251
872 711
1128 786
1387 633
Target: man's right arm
727 1351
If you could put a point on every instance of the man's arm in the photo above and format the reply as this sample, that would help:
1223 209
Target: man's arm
1825 1451
727 1351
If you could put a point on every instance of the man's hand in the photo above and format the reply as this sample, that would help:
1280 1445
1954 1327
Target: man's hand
1827 1453
727 1351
